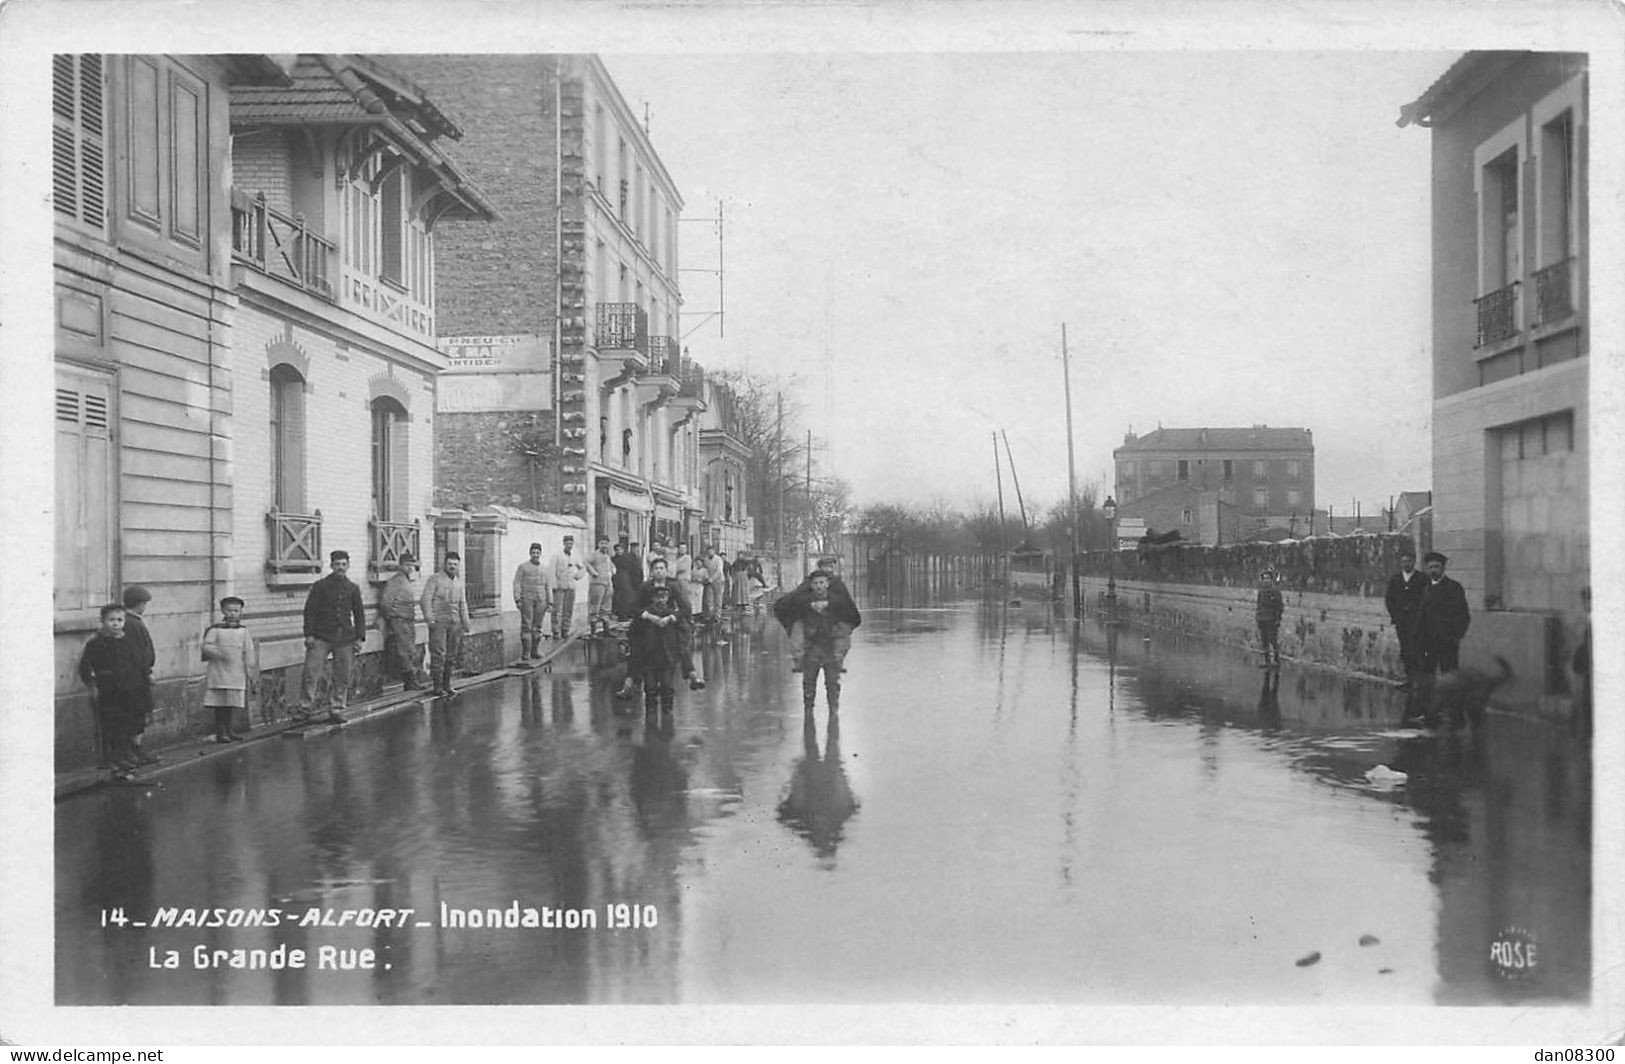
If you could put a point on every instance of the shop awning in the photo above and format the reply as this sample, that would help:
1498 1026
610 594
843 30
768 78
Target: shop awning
628 500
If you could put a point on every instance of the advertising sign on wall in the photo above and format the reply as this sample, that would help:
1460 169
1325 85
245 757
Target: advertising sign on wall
522 353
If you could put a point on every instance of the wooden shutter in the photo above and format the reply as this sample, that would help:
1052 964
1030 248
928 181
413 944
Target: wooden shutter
78 139
391 226
85 492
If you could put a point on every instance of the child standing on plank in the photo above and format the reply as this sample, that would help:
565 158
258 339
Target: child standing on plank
115 666
233 669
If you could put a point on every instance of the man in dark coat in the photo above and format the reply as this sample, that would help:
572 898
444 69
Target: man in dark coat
136 598
1441 618
334 625
1404 601
826 623
627 581
838 593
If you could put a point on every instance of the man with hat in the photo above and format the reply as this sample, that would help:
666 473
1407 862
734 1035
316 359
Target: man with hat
567 573
1267 614
1441 618
838 594
399 607
445 608
334 624
532 590
1404 599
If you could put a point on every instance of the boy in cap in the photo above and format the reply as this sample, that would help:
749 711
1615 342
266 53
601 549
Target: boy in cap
826 622
233 668
113 666
659 640
136 598
1268 614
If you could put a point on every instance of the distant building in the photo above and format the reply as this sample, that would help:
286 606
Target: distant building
1198 516
1511 336
1266 474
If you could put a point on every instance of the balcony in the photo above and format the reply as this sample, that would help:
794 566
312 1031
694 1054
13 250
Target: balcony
621 338
690 398
280 246
663 355
1497 316
1554 292
296 543
391 539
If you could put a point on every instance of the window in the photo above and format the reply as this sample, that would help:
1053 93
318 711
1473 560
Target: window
1229 469
1556 199
78 139
621 172
1501 233
391 226
287 439
1292 467
86 492
1261 497
1294 498
1184 469
1260 470
600 148
1185 515
389 460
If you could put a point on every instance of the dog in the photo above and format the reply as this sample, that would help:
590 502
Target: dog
1464 694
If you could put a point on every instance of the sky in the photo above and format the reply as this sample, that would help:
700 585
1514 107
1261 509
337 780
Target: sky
1229 238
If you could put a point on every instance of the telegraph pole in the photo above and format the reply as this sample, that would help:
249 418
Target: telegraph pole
998 478
1071 475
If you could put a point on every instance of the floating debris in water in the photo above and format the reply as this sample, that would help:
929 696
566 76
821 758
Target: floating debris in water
1385 971
1369 940
1383 776
1313 958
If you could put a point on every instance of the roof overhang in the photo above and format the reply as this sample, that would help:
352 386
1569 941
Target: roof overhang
1465 78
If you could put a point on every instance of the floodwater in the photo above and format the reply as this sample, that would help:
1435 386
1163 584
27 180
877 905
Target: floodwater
1008 808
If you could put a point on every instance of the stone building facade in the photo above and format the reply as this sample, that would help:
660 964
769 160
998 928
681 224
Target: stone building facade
1511 340
1267 474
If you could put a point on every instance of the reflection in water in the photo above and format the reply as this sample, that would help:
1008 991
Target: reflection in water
819 800
1051 812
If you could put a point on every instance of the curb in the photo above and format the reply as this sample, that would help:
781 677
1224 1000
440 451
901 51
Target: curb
190 752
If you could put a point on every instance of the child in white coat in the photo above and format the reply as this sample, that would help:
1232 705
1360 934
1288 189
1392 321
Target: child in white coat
233 668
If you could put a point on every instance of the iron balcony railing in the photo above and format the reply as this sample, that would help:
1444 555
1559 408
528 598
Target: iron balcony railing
280 246
391 539
1554 292
621 327
1497 315
663 355
691 379
296 542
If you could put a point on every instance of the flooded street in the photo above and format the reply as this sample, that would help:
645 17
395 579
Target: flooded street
1008 808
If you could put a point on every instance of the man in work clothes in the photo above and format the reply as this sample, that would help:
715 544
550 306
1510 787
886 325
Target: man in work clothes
334 624
711 573
445 607
600 576
399 607
1404 602
532 590
566 574
1441 618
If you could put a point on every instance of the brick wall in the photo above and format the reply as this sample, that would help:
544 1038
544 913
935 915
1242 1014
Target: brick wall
338 465
476 462
495 277
259 163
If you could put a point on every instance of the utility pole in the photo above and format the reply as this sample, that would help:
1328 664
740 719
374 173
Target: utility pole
1015 480
810 523
998 478
778 448
1071 475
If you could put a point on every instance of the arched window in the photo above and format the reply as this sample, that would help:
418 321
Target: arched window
389 459
287 439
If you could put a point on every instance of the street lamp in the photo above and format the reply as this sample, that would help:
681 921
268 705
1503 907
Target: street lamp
1109 508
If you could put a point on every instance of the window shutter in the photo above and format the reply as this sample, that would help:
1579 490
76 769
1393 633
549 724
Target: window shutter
78 138
85 493
288 441
391 225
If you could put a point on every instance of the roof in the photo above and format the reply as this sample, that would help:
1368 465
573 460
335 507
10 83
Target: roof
1257 438
1464 78
348 90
